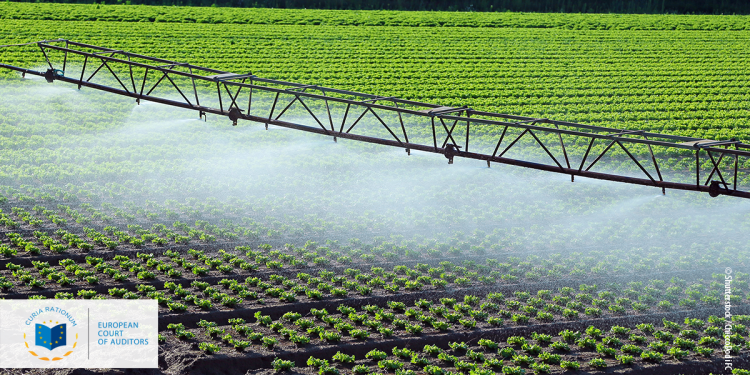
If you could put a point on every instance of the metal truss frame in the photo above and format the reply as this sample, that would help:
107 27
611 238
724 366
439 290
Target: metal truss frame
230 86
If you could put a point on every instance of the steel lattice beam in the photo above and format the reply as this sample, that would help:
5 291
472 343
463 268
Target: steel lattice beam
232 88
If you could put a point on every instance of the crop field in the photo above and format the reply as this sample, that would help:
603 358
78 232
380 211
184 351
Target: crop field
275 251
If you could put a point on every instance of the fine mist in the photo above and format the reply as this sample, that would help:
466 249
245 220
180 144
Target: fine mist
314 188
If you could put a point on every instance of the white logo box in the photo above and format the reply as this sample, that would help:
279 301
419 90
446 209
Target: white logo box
88 333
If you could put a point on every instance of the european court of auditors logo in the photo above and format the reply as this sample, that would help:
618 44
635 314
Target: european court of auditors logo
53 331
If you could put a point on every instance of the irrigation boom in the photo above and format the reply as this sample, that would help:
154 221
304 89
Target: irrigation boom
406 124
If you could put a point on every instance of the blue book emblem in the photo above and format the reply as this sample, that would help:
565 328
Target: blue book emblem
50 338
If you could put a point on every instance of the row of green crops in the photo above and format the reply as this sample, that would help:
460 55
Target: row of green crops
479 257
68 12
618 345
266 273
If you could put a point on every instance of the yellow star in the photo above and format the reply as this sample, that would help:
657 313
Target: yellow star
45 342
60 337
57 322
55 342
